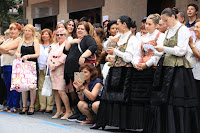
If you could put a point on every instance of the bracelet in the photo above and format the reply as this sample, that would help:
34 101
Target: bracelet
193 46
83 88
78 90
83 57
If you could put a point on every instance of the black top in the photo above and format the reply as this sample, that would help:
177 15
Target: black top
73 55
25 50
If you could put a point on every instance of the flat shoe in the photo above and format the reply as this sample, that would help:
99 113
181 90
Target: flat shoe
65 118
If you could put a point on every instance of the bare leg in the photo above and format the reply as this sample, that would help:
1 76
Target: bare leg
95 106
83 107
58 103
24 100
65 100
32 98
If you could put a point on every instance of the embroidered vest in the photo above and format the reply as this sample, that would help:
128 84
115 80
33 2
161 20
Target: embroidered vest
145 55
118 60
172 60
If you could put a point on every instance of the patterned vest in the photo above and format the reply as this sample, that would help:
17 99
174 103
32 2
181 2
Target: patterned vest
118 60
145 55
172 60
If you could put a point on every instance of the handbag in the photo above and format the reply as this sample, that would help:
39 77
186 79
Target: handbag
91 59
24 76
47 88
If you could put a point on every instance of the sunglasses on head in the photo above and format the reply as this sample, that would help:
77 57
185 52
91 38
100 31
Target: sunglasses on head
60 34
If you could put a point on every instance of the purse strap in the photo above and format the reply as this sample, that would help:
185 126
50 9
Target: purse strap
79 48
47 70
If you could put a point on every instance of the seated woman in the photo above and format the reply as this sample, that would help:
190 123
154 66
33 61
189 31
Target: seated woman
89 92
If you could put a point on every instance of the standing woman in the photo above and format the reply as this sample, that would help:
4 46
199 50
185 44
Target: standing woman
142 79
29 50
7 49
114 101
71 28
75 57
193 55
175 99
56 61
46 40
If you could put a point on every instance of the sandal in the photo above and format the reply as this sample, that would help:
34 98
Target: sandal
23 112
29 112
13 110
5 109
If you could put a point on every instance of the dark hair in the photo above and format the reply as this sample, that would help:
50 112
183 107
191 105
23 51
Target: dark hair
129 22
74 31
91 69
100 33
86 25
182 14
175 9
84 19
21 22
97 25
109 25
169 12
105 22
195 6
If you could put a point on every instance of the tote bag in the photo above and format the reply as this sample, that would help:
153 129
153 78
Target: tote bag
24 75
47 88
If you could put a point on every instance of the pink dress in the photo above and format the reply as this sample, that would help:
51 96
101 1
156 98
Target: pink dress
57 76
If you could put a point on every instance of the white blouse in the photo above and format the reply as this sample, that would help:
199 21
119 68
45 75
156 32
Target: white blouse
131 48
42 59
150 37
182 40
194 61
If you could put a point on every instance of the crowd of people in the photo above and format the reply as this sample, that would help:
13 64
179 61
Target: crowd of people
146 80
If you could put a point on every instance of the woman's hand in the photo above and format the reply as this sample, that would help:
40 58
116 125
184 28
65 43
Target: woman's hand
138 67
25 57
52 67
78 84
114 39
81 60
150 51
75 41
110 50
191 41
18 55
141 66
11 52
159 48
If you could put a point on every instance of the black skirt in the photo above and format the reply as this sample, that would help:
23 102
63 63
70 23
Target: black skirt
174 103
125 99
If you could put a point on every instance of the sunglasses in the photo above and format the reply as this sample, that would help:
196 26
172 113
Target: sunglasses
60 34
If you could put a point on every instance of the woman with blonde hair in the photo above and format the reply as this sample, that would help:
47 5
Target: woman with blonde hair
29 50
7 49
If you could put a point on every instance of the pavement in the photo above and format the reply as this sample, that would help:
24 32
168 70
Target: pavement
43 123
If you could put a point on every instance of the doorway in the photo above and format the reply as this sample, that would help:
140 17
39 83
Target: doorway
93 15
46 22
156 6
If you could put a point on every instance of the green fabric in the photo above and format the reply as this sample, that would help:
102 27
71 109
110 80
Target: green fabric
172 60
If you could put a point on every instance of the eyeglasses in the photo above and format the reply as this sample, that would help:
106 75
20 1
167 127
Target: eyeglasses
60 34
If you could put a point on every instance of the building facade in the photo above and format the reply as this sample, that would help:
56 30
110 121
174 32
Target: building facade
46 13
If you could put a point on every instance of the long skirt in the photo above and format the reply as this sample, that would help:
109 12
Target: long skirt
125 99
174 103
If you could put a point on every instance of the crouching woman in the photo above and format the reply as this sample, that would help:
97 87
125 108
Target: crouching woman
89 92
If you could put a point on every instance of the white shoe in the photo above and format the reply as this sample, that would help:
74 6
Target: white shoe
1 106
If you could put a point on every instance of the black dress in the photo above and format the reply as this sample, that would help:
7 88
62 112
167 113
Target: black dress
73 55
